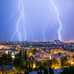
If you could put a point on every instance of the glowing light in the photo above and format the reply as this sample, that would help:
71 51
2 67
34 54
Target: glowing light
30 54
13 55
34 65
50 57
6 52
72 63
56 66
58 19
20 31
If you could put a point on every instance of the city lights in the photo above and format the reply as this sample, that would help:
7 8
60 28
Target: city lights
37 58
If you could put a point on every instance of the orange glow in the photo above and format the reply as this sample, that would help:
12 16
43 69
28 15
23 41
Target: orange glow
72 63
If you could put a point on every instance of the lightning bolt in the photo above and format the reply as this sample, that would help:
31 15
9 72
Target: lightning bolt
20 30
58 19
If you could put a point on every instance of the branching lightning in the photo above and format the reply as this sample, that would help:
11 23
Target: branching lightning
58 19
20 28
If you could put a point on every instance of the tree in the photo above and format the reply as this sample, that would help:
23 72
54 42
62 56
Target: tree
6 61
69 70
18 61
64 61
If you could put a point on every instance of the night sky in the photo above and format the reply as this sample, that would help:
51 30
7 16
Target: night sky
37 20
